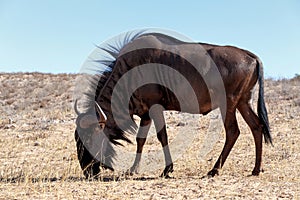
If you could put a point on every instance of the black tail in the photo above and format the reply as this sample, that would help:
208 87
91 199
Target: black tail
261 107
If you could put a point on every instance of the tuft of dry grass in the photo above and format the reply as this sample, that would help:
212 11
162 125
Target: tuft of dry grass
38 154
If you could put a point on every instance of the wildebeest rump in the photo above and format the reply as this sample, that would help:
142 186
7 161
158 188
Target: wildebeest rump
239 70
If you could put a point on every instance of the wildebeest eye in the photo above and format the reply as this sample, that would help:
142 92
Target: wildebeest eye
102 125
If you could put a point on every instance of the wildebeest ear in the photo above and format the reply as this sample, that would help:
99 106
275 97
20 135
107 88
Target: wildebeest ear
100 112
87 120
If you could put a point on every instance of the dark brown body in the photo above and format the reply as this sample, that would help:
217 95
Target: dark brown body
219 76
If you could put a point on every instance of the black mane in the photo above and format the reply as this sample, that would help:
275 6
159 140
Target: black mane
104 63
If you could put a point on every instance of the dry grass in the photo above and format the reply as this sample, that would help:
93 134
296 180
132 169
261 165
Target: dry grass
38 155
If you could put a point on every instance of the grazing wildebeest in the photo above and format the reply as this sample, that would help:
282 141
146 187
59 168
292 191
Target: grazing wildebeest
223 78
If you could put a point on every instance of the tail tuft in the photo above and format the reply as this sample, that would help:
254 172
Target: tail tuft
261 107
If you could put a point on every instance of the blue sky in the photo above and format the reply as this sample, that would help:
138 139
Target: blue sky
57 36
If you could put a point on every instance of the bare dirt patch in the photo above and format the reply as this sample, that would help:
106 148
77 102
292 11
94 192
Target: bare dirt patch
38 155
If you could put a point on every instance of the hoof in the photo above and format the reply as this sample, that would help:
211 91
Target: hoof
213 172
168 177
256 172
132 171
168 169
128 173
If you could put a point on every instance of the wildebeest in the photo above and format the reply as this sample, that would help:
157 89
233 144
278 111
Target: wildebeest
215 77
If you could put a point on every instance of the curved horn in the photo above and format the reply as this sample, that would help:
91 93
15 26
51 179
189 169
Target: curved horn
75 107
100 112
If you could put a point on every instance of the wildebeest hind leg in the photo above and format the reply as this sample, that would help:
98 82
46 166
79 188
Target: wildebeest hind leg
253 121
232 133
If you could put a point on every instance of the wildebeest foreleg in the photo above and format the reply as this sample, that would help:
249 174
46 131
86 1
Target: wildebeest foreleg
232 133
140 140
253 121
162 136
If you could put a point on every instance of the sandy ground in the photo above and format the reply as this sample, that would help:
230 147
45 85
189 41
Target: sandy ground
39 161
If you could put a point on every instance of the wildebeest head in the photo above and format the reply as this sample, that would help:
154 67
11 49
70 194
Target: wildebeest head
93 146
90 118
